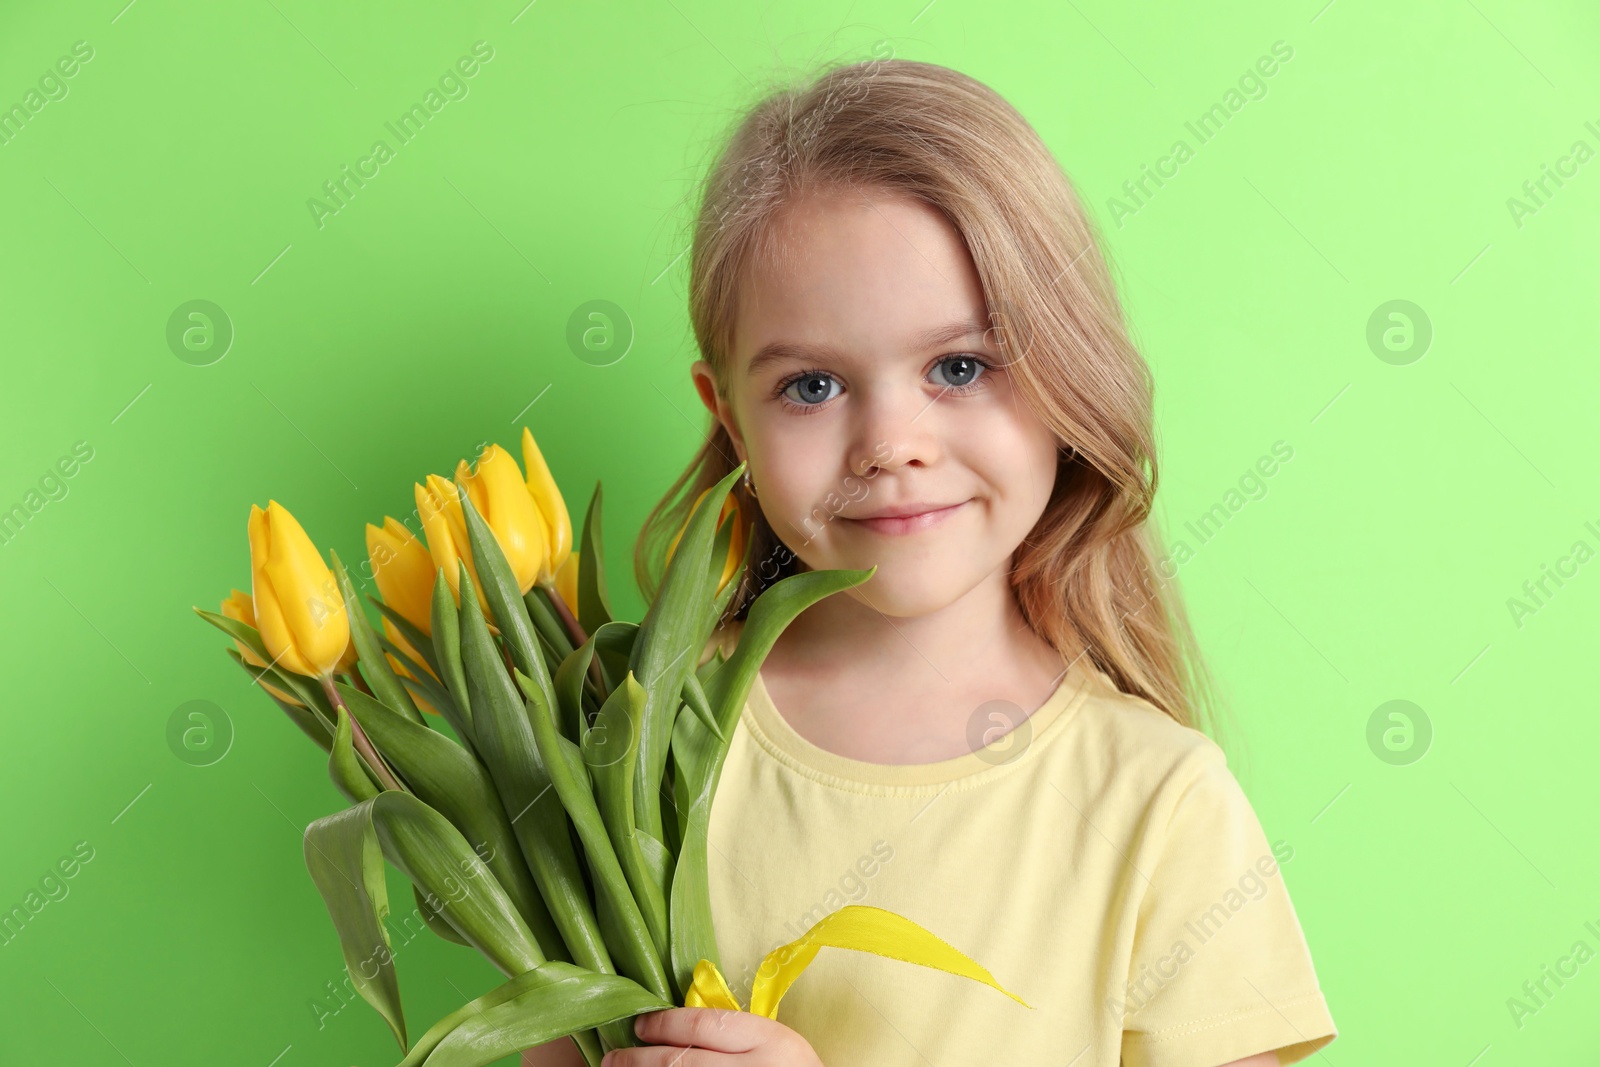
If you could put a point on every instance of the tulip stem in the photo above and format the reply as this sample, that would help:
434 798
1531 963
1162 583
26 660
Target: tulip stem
575 629
567 618
358 738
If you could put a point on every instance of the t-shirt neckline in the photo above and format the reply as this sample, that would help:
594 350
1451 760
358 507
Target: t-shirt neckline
773 732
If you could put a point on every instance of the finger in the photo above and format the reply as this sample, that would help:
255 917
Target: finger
664 1056
714 1029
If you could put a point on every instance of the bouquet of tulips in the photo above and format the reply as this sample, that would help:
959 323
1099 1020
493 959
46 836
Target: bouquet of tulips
541 772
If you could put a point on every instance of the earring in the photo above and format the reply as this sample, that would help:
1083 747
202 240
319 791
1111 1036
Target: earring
749 486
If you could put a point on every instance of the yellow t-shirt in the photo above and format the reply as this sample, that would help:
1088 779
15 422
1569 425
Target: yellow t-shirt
1100 860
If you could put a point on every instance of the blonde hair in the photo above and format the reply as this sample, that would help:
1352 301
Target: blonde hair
1085 576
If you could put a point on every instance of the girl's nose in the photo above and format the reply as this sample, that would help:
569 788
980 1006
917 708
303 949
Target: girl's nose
897 427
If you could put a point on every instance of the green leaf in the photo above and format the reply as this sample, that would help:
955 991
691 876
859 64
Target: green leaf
711 666
568 686
550 1001
424 686
436 922
698 755
447 649
547 622
374 667
347 769
699 705
614 639
614 647
594 604
414 637
441 700
448 779
658 862
346 863
239 631
345 852
505 739
669 643
620 879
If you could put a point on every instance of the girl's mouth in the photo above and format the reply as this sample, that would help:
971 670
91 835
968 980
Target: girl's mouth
907 524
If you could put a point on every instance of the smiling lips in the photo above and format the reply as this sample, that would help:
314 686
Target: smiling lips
910 518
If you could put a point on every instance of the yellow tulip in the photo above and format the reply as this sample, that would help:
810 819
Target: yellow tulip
552 508
347 662
500 495
298 608
239 608
445 525
404 572
735 545
567 582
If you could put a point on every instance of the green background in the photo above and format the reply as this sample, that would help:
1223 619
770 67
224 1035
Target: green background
431 314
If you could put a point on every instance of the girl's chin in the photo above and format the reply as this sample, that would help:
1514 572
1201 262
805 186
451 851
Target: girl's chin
888 593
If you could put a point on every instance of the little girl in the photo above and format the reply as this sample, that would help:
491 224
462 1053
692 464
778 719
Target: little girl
910 335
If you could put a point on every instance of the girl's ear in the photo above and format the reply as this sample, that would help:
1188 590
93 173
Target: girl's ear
705 383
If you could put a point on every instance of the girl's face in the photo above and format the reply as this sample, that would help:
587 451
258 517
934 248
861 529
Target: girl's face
864 382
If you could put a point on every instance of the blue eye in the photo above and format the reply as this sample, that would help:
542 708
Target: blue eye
967 374
810 393
970 370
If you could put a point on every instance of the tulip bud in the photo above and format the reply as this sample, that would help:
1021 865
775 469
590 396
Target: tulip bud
552 509
445 525
501 496
300 613
404 572
239 608
347 662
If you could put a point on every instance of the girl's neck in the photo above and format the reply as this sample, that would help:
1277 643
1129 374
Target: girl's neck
884 689
848 633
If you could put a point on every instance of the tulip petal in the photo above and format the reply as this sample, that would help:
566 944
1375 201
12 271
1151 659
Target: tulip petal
238 606
865 929
710 990
307 598
439 504
275 635
552 506
402 569
501 497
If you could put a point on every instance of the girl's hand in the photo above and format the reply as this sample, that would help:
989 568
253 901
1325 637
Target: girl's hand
718 1037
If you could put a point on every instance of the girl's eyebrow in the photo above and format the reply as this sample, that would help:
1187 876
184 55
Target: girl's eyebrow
778 351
